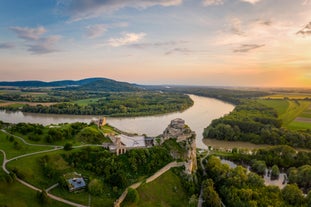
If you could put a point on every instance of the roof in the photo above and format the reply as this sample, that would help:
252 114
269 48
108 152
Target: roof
76 183
132 141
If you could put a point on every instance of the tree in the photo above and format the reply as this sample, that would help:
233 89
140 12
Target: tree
68 146
95 187
43 197
259 167
275 172
132 196
210 196
293 195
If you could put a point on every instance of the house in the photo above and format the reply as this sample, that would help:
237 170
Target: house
74 181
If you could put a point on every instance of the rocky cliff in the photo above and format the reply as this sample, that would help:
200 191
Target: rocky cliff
186 144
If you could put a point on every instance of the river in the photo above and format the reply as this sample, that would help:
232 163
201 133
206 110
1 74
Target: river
197 117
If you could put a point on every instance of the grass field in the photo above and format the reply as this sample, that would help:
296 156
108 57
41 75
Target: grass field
105 200
17 195
165 191
12 150
288 110
299 96
32 171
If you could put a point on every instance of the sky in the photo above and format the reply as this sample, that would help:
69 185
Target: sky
260 43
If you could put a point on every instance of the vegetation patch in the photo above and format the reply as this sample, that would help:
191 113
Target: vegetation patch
167 190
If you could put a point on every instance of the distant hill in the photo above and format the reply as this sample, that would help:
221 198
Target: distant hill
34 83
106 85
101 84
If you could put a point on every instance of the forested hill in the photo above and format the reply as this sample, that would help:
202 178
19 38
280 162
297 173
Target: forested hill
107 85
103 84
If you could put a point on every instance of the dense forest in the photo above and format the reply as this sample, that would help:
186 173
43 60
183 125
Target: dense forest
255 122
225 94
237 188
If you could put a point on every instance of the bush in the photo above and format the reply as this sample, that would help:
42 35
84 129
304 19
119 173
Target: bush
68 146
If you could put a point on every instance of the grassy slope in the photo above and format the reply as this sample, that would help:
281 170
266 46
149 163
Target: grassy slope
17 195
8 147
165 191
32 170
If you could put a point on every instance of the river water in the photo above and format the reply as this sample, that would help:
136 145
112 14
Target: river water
197 117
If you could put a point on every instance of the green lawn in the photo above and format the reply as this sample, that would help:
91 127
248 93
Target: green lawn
299 125
280 106
13 150
17 195
32 171
165 191
105 200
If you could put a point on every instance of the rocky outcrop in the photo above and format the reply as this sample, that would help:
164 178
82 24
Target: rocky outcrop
185 138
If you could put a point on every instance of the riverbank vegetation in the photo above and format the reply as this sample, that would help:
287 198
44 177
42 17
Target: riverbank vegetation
258 121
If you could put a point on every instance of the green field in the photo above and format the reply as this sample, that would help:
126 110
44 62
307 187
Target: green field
105 200
288 110
165 191
13 150
17 195
85 102
299 96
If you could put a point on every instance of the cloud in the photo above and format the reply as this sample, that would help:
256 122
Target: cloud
236 27
34 40
44 45
127 38
247 48
157 44
6 45
184 51
28 33
306 31
96 30
212 2
85 9
251 1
